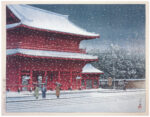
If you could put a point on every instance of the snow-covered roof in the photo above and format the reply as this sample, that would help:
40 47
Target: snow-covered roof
55 54
88 68
12 25
42 19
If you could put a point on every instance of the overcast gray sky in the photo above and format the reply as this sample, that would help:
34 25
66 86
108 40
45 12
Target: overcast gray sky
119 24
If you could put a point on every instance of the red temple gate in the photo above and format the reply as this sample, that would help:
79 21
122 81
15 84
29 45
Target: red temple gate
46 52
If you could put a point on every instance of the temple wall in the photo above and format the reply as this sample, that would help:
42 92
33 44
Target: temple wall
50 64
33 39
12 74
63 71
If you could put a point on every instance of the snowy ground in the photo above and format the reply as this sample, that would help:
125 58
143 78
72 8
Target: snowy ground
78 101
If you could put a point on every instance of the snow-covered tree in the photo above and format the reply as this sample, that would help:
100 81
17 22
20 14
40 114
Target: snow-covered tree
120 63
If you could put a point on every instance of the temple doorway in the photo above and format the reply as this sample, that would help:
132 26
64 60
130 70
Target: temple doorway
89 83
25 82
38 78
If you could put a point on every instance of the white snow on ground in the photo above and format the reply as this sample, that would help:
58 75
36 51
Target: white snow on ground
96 101
27 93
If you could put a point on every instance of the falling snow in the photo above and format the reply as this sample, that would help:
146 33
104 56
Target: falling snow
117 53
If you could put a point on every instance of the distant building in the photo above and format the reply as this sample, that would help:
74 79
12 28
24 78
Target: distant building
43 48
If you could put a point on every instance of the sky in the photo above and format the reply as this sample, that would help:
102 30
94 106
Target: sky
122 25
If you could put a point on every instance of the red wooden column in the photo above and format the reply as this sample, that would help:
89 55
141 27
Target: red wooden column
45 74
85 82
80 79
31 79
19 78
71 79
59 76
44 78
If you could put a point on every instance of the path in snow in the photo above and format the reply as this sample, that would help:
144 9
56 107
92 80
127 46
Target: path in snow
92 102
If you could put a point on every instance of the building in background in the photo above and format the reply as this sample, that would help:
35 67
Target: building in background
43 49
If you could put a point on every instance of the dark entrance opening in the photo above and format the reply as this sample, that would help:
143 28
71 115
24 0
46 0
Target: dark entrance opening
38 78
88 83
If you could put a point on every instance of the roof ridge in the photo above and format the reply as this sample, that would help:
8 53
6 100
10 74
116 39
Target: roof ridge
43 10
26 14
20 16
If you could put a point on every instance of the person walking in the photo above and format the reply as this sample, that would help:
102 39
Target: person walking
57 90
43 92
36 92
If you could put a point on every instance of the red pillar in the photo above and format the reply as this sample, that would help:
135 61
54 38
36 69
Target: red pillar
71 79
19 78
80 79
59 76
44 79
31 86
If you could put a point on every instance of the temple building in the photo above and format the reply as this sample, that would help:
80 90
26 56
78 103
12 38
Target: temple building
43 48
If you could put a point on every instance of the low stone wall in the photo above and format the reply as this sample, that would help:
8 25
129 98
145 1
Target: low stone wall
135 84
139 84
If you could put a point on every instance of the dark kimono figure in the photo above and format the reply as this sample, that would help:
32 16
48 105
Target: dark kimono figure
43 92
